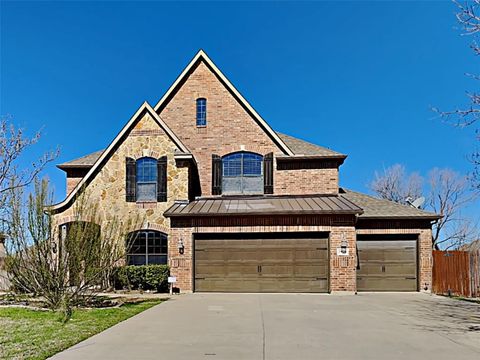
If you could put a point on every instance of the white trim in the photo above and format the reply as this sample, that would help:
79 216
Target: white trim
145 106
204 56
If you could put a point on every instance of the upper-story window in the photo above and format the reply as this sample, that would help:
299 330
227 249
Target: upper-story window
242 173
146 179
201 112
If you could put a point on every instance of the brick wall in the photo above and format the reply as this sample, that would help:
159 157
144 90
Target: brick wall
420 228
342 268
306 181
230 128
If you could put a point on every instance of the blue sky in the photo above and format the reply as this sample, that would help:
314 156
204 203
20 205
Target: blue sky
358 77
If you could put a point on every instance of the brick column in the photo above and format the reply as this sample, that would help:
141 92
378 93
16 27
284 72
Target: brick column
426 263
343 276
181 265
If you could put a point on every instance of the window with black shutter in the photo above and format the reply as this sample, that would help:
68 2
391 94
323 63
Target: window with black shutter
162 179
242 173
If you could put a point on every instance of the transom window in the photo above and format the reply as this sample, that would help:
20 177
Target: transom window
147 179
201 112
242 173
147 247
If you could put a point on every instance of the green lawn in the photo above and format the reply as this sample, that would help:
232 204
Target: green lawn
29 334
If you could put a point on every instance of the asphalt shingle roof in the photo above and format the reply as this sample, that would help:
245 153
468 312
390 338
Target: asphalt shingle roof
302 147
381 208
298 146
84 161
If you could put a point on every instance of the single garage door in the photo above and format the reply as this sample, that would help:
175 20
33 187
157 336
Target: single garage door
387 263
266 262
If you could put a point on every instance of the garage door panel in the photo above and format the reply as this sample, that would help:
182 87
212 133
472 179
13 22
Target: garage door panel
387 265
262 265
387 284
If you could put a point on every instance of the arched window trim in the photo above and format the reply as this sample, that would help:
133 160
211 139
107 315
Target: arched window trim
147 247
146 179
250 164
201 106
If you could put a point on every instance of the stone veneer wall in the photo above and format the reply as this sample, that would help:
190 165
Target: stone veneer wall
107 189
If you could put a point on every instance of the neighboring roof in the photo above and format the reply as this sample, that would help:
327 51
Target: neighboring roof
201 55
265 205
82 162
374 208
145 107
305 148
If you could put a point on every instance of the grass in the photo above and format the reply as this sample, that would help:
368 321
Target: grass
30 334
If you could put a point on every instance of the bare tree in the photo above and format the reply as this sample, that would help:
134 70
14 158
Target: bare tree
13 144
65 265
449 194
469 19
395 185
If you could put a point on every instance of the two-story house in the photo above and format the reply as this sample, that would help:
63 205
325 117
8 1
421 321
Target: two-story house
234 206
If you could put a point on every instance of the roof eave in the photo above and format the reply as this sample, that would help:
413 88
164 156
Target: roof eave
401 217
279 213
71 166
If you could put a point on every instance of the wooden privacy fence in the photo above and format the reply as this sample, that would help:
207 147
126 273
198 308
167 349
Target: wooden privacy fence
456 273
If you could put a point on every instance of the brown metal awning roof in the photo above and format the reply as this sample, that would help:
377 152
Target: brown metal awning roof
271 205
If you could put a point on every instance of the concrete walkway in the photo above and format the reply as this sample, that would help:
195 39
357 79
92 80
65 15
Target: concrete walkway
293 326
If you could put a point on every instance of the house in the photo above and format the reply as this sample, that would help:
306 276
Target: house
234 206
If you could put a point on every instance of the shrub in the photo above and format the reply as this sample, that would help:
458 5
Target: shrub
145 277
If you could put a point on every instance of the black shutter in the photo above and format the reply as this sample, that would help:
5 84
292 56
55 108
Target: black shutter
162 179
216 175
268 173
131 177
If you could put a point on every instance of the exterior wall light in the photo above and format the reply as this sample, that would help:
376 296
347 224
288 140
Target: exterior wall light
181 246
343 249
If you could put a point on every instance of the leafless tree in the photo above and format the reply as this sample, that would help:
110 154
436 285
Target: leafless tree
394 184
13 144
68 265
469 19
449 194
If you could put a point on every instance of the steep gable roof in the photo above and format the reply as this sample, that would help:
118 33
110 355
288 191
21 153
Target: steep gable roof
202 56
145 107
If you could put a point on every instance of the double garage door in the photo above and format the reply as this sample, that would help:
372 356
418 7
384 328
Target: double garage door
387 263
265 262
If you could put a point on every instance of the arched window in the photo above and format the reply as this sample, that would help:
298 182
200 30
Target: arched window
201 112
147 247
147 179
242 173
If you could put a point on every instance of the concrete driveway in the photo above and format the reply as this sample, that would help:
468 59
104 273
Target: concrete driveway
293 326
